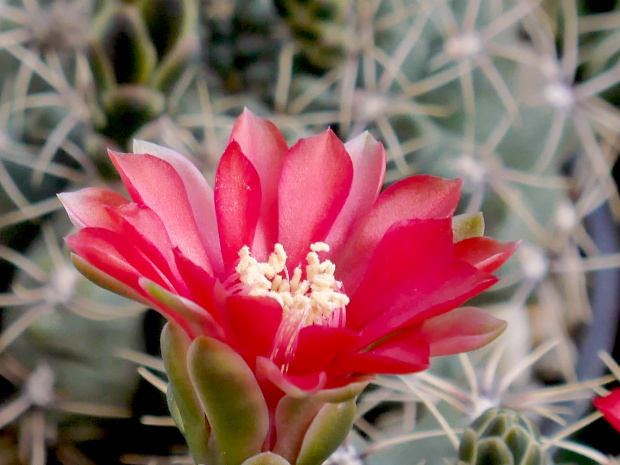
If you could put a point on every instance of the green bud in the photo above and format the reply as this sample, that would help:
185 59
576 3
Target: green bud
501 437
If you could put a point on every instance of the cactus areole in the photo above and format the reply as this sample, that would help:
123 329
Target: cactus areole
288 285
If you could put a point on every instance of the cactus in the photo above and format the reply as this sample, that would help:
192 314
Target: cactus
501 436
520 99
137 54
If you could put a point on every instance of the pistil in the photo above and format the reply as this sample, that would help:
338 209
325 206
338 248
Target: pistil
314 299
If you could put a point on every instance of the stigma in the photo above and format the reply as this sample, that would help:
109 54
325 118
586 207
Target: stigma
311 296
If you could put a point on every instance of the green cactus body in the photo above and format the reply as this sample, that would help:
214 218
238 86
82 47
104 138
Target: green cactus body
321 28
501 437
137 53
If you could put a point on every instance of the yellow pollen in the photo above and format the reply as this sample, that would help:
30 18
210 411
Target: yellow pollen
313 300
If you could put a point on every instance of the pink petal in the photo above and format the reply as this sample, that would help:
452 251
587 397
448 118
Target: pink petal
237 203
86 207
115 256
445 289
112 284
317 346
421 197
460 330
143 228
609 406
106 281
407 255
265 147
314 185
201 285
199 194
368 157
155 183
484 253
251 324
398 355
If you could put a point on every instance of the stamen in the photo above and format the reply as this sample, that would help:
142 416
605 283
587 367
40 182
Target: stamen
316 300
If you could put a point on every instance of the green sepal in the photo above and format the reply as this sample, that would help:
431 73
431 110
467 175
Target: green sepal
231 398
266 458
341 394
466 226
191 419
106 281
175 413
292 418
198 319
327 432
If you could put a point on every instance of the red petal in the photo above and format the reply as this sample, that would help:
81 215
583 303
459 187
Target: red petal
199 283
460 330
237 203
317 346
315 182
484 253
140 226
609 406
449 287
251 324
86 207
421 197
398 355
126 288
265 147
407 255
155 183
199 194
368 157
106 281
114 255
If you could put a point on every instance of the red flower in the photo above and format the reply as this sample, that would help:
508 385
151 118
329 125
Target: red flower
609 406
294 260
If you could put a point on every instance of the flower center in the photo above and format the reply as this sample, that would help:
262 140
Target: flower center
316 299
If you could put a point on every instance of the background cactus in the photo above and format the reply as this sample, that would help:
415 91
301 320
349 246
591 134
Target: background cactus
501 436
519 98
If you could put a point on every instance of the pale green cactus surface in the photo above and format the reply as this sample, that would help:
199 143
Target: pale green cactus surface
519 98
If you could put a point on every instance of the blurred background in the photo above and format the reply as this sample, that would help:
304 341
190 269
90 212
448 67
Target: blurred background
518 98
